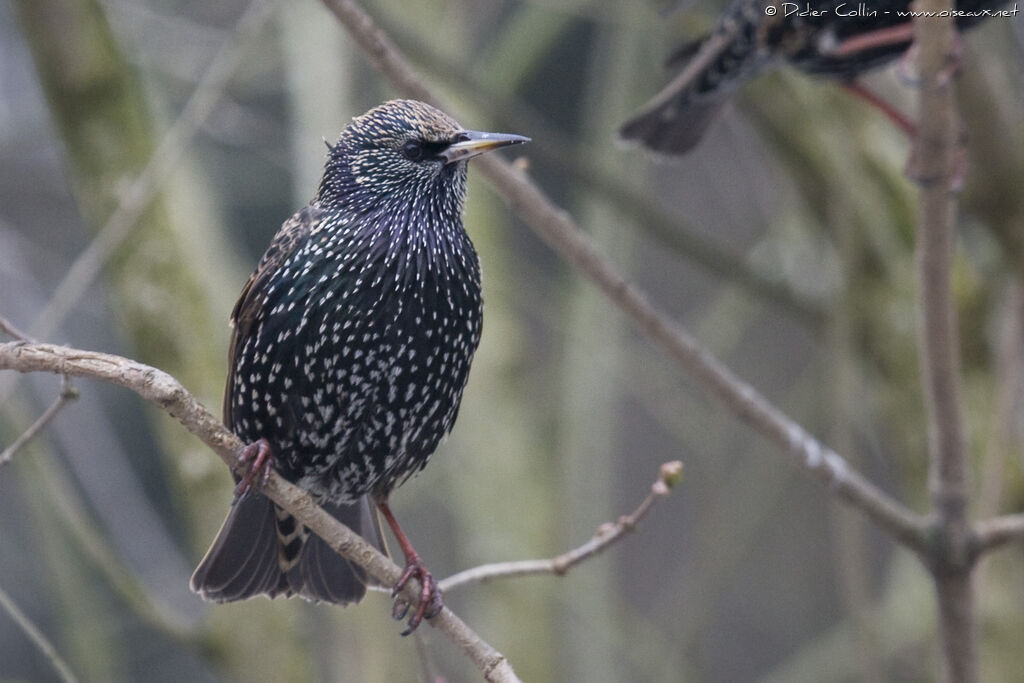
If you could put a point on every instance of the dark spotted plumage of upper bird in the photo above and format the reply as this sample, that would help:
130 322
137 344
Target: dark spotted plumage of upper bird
835 38
352 345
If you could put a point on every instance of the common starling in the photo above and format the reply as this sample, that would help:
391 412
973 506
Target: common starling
351 348
832 38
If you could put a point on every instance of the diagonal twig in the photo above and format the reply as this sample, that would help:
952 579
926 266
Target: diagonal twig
557 228
608 533
37 637
67 393
167 393
8 328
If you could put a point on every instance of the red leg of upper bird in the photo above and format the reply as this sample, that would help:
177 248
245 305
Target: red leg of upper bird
893 35
890 112
897 35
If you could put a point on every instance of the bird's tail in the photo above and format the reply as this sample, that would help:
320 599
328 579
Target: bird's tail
673 125
675 119
262 550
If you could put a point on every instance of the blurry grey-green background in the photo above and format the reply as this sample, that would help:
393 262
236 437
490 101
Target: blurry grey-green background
785 243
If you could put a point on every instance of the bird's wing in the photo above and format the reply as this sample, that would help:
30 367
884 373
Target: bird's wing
294 232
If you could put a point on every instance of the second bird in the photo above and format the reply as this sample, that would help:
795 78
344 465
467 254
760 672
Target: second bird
839 39
351 348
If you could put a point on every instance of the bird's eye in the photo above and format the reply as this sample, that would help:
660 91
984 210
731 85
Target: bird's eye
413 150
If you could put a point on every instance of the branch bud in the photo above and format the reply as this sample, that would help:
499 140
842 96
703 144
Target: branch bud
671 473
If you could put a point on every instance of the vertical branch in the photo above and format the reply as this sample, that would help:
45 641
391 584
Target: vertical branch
935 235
938 340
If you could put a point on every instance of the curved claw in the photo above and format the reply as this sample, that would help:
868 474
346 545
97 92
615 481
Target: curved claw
431 601
258 460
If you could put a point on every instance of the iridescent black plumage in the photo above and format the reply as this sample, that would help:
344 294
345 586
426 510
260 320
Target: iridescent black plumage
352 345
747 41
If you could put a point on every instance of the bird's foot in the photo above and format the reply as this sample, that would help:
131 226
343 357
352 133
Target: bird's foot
257 461
431 602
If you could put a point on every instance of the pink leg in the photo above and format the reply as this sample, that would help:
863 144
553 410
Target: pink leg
910 129
893 35
257 461
893 114
898 35
431 601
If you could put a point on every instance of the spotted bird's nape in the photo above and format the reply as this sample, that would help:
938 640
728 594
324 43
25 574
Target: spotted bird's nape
352 345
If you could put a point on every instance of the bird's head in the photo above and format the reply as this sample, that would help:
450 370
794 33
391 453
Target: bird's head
402 149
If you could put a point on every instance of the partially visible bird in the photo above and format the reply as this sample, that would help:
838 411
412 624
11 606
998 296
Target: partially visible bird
831 38
351 348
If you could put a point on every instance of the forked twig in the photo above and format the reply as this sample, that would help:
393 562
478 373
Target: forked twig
670 474
67 393
8 328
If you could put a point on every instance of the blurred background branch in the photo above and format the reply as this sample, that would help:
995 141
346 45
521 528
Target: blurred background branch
36 636
83 117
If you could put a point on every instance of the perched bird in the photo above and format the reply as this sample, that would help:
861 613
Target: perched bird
831 38
351 348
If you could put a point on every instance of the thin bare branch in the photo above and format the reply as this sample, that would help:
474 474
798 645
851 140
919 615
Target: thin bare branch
607 534
998 531
71 511
166 392
140 194
557 228
8 328
38 639
67 393
937 333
